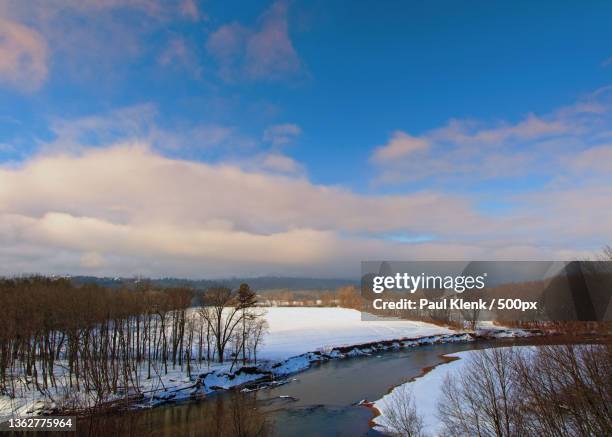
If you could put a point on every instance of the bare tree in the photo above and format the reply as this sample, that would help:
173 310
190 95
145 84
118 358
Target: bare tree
246 300
256 332
401 416
480 401
570 394
221 312
349 297
555 391
472 314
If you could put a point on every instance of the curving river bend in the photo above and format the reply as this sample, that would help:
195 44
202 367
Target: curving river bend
318 402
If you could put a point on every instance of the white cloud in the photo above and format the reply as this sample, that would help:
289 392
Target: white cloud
87 39
133 183
469 151
465 132
190 9
177 53
262 52
400 145
277 162
128 202
282 134
596 159
140 123
23 56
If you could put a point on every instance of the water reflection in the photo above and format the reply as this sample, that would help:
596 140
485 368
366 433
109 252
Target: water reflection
231 415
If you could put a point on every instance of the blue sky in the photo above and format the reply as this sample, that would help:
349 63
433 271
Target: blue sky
493 116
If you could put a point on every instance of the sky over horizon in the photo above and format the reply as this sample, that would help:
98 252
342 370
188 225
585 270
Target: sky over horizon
211 139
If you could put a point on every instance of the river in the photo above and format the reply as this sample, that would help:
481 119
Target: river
318 402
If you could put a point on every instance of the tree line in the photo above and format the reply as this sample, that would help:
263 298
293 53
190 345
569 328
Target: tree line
106 341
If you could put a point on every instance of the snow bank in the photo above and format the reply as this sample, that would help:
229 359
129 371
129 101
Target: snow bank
426 391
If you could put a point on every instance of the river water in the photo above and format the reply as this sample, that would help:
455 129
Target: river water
318 402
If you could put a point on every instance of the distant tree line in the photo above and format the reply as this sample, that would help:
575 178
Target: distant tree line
309 285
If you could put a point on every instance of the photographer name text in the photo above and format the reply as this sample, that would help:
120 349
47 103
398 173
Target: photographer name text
455 304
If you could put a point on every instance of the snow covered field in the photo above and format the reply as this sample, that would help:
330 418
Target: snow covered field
426 391
294 331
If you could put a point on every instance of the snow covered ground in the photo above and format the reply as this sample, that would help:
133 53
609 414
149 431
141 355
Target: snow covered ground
425 392
294 331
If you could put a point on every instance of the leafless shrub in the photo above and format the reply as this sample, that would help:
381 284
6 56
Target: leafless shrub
553 391
401 415
566 390
481 401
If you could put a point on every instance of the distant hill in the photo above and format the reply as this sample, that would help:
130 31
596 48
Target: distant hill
261 284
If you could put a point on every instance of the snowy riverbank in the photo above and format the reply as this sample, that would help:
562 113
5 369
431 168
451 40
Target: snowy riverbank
425 392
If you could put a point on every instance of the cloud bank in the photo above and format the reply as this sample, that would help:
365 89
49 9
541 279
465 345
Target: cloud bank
473 150
127 209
